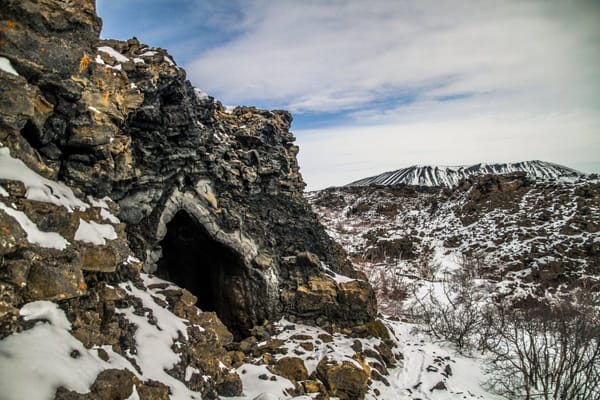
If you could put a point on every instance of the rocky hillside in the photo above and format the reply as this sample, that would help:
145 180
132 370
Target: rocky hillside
525 239
150 238
156 245
450 177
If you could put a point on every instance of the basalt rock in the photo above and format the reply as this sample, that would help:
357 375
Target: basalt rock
344 380
206 196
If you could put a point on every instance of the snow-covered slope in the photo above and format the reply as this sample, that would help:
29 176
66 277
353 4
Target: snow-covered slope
525 237
450 176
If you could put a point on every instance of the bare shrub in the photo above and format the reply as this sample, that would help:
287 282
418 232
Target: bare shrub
426 265
458 315
546 352
473 263
393 288
389 285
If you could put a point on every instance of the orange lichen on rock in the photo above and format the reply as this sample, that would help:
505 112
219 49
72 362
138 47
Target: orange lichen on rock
6 25
84 63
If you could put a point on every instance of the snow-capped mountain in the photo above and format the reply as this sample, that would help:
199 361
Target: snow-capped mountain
450 176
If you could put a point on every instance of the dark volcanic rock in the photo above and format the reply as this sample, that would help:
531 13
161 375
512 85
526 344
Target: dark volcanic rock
208 198
46 41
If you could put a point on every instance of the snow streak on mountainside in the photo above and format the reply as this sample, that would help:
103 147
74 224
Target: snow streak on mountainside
450 176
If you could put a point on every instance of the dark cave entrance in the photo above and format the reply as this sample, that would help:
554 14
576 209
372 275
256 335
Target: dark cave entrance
212 271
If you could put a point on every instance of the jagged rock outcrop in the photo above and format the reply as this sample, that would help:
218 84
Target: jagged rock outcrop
205 196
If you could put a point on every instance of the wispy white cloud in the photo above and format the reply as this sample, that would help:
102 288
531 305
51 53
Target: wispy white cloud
339 155
332 55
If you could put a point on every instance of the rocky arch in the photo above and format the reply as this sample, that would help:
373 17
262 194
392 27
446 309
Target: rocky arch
216 266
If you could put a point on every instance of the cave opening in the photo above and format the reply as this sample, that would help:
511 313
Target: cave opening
214 272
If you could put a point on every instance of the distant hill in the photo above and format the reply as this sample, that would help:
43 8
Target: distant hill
450 176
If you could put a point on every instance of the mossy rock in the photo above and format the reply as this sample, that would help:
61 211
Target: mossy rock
377 329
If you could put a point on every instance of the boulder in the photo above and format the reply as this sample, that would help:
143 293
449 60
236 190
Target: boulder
291 368
54 278
345 380
12 236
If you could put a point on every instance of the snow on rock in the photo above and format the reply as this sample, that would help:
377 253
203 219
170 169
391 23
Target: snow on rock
256 388
420 364
200 94
3 192
6 66
105 214
103 205
45 310
512 237
38 187
168 60
50 240
95 233
338 278
35 362
113 53
134 394
100 203
154 340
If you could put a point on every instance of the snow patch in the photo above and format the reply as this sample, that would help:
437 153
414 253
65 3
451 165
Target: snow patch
105 214
168 60
3 192
6 66
338 278
38 187
95 233
131 259
113 53
259 389
154 341
200 94
134 394
190 371
100 203
35 362
45 310
51 240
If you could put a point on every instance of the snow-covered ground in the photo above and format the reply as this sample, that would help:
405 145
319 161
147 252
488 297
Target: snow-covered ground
49 356
542 232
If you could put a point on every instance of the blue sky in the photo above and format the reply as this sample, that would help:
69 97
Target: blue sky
379 85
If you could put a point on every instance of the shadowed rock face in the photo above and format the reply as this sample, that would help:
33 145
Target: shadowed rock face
212 271
209 198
